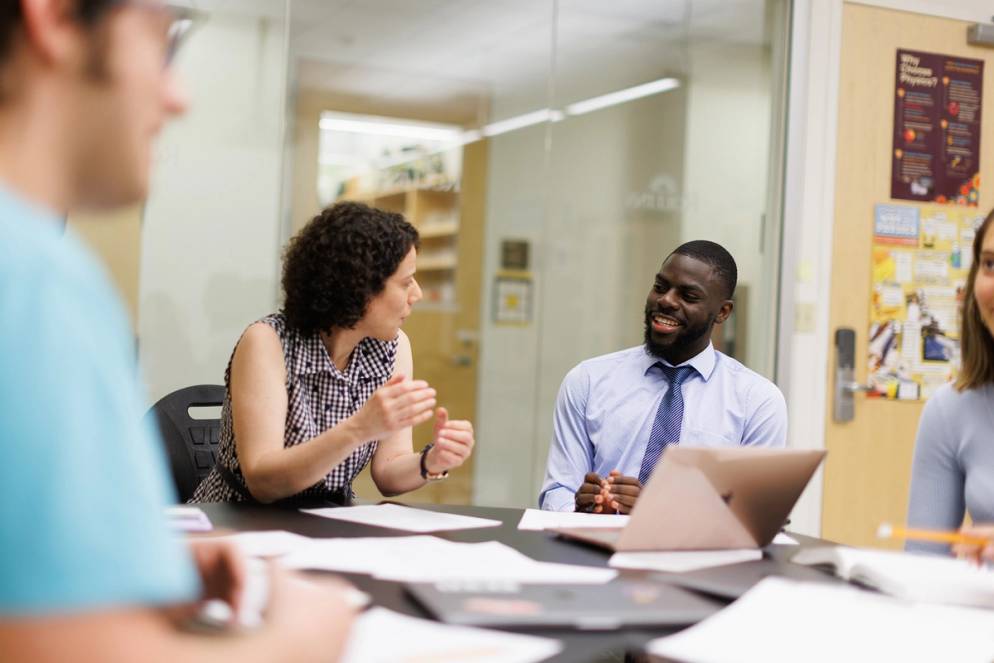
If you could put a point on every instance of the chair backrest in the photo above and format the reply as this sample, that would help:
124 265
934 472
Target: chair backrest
191 444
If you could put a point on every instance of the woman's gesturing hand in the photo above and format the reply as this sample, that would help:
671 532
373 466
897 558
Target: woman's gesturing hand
453 443
398 404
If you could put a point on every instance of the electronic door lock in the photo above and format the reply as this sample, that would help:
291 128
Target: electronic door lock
846 386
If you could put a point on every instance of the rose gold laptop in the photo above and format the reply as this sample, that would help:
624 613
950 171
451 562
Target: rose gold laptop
710 499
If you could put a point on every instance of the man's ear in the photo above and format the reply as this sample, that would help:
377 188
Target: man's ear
724 311
51 31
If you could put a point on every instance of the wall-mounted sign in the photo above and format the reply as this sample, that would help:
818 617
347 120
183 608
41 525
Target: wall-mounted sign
514 254
936 148
512 300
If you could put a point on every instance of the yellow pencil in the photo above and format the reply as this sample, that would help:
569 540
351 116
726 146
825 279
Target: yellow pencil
888 531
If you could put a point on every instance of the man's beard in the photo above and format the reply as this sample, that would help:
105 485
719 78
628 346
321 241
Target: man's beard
688 337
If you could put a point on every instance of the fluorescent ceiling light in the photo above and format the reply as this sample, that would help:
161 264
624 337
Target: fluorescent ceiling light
578 108
385 128
621 96
452 134
521 121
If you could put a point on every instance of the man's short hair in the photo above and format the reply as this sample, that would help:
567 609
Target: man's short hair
715 255
87 12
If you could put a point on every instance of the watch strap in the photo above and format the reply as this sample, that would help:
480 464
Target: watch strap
425 474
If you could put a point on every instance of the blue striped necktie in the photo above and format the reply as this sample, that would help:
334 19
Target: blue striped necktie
669 418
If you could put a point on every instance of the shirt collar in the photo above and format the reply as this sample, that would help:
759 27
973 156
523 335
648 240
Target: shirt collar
703 362
313 357
371 359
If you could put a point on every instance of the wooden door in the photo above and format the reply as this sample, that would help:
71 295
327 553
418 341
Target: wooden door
867 472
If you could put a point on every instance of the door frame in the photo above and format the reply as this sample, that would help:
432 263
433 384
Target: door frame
809 209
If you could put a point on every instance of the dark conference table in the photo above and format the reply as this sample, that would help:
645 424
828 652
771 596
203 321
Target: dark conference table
542 546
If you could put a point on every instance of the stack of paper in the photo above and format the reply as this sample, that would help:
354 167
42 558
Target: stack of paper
431 559
383 636
780 620
403 518
678 561
537 519
188 519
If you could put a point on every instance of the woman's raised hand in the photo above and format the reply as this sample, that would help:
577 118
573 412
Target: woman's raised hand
398 404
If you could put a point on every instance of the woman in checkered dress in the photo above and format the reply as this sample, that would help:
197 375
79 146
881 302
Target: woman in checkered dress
320 389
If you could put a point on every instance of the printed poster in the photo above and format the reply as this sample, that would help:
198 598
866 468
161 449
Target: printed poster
921 257
936 145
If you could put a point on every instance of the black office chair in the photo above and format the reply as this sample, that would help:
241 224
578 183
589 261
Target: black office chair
191 444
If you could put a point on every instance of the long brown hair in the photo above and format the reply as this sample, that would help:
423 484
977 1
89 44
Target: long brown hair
976 340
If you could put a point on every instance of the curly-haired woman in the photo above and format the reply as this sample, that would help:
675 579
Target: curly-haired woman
318 390
953 469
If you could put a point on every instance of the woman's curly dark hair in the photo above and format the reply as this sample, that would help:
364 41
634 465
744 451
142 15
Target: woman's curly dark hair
338 262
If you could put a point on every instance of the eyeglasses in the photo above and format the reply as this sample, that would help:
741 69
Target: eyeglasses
182 21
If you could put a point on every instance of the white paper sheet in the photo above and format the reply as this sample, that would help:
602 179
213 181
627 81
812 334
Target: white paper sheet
411 640
188 519
404 518
431 559
784 540
678 561
780 621
274 543
537 519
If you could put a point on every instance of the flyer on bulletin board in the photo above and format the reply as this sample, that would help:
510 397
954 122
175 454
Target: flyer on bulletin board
936 145
921 256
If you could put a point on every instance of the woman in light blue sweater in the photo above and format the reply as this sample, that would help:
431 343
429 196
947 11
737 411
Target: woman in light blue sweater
953 469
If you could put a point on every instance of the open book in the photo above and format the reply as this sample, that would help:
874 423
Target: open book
914 577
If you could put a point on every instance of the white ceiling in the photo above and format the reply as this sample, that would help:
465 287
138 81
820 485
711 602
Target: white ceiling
493 57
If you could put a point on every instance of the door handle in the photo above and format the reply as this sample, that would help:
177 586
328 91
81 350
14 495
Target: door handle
462 360
846 386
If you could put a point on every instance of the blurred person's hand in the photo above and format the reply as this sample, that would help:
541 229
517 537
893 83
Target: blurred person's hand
222 571
975 551
315 617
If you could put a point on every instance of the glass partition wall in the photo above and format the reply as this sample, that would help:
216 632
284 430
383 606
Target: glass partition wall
551 153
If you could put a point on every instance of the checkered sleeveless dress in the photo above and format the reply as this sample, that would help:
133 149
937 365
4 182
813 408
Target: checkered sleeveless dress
319 396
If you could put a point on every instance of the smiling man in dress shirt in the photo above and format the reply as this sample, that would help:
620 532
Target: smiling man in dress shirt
616 414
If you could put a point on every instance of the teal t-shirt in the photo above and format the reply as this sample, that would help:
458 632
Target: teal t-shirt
82 481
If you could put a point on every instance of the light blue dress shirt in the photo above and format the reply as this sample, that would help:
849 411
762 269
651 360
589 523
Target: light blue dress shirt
82 481
606 406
